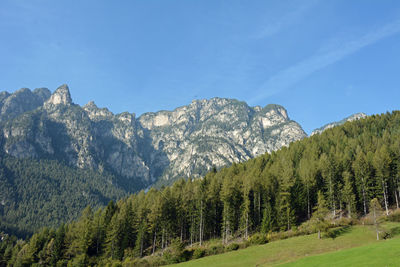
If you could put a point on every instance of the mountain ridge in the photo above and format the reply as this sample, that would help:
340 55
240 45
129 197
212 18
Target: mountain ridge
355 116
164 145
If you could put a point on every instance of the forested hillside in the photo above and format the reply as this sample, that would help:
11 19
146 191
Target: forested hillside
38 193
57 157
349 164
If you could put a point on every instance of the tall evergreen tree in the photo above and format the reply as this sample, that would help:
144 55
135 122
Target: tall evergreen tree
320 213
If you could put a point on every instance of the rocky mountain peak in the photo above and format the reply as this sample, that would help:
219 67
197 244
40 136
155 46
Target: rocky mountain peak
353 117
42 93
22 100
356 116
90 105
61 96
157 146
4 95
96 113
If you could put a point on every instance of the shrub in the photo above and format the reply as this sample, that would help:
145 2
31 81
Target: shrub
394 217
198 253
258 239
175 253
215 249
232 246
128 262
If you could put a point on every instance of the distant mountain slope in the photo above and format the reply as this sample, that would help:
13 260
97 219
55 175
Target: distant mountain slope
164 145
353 117
38 193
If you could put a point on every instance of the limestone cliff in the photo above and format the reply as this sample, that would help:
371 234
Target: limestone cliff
165 145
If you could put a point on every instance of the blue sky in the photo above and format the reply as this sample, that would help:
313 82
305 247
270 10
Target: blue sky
321 59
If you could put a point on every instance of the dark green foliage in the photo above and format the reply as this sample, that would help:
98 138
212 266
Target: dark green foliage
199 253
337 172
232 246
37 193
319 216
258 239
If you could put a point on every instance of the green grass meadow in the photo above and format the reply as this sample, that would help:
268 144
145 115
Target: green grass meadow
384 253
352 246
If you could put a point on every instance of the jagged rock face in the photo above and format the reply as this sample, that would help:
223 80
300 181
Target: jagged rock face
164 145
216 132
61 96
353 117
23 100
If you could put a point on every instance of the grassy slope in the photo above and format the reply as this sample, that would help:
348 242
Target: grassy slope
292 249
385 253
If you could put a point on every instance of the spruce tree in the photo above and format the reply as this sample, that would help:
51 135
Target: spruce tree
319 214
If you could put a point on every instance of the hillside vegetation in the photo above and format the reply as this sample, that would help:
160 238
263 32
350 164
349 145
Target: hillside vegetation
352 247
38 193
384 253
344 167
58 157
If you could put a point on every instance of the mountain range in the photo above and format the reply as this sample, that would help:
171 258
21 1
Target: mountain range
57 156
155 147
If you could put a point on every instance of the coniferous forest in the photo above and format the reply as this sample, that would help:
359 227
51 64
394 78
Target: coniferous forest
349 165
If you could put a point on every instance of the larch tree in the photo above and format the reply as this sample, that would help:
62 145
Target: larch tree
319 214
376 209
382 161
348 194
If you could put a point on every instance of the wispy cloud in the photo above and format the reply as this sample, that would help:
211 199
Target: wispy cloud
286 20
290 76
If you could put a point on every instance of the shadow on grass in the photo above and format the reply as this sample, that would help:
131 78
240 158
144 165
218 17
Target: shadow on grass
336 232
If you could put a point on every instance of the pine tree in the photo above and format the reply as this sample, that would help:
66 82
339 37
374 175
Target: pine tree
307 171
328 169
382 161
348 194
361 172
268 220
319 215
376 210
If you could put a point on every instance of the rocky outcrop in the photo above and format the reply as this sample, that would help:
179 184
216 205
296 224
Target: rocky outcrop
61 96
353 117
23 100
216 132
165 145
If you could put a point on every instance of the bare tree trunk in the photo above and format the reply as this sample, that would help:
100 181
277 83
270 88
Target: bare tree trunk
201 223
385 197
247 226
191 231
397 190
259 207
162 239
154 241
308 202
364 198
224 234
349 208
395 183
141 247
226 231
181 232
376 225
332 197
215 225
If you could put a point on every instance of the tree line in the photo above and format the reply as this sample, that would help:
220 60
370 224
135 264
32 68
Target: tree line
349 165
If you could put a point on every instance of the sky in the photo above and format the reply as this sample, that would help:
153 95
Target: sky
322 60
